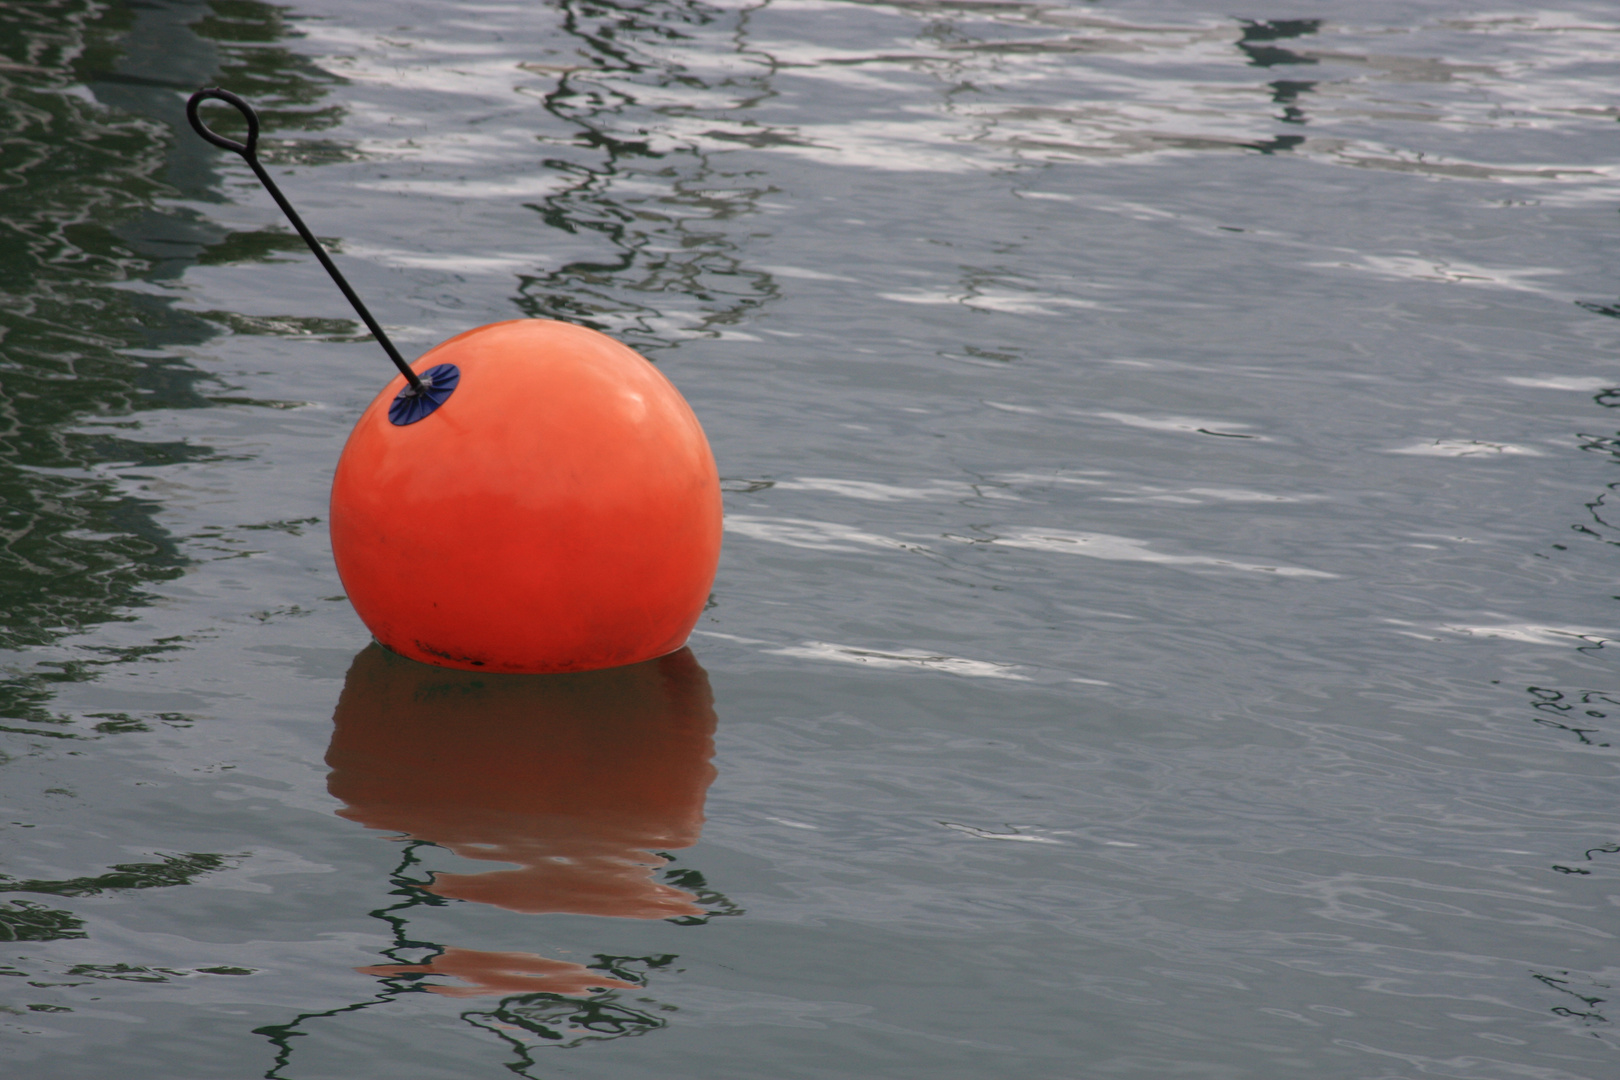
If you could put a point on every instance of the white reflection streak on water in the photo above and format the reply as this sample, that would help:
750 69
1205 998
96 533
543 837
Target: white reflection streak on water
1177 423
1466 448
1450 272
871 491
1134 105
1562 636
1198 496
903 658
1556 382
1125 549
802 533
1006 302
987 834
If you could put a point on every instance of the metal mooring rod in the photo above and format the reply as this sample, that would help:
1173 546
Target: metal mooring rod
249 152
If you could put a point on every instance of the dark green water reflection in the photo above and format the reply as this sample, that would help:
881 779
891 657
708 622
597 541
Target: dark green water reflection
89 228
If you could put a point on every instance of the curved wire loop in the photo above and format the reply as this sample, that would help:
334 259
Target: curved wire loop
214 93
249 153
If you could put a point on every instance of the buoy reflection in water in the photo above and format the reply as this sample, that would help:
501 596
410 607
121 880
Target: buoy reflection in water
576 778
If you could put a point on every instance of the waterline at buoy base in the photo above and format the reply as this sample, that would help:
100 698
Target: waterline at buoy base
559 512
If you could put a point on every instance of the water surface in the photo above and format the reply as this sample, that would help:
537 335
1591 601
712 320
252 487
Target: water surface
1167 615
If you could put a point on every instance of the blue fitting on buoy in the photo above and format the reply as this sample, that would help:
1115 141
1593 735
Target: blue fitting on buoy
438 383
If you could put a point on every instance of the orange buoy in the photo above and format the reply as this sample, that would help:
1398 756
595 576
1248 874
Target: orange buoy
548 503
530 496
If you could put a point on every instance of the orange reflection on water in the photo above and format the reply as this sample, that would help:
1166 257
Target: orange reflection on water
575 778
505 973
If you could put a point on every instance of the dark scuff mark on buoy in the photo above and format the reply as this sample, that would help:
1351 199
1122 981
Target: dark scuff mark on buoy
442 655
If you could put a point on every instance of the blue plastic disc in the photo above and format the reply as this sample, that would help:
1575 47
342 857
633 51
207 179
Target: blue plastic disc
438 383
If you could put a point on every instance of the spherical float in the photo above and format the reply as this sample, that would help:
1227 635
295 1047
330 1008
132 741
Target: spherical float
549 504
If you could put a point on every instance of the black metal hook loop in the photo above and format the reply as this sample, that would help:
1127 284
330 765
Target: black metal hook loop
214 93
415 386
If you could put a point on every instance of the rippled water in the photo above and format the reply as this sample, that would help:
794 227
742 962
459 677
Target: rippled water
1166 625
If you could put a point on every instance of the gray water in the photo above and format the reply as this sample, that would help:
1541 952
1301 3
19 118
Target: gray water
1167 619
